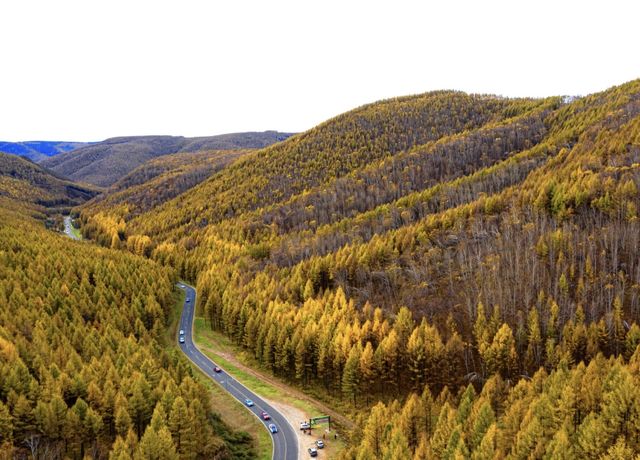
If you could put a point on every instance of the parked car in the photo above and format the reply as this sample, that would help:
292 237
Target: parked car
313 451
248 402
305 426
264 415
320 444
273 428
182 339
217 369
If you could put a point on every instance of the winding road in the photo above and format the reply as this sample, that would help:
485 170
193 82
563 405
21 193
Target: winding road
68 228
285 442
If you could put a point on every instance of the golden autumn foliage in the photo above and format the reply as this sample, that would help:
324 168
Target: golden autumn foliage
419 245
83 365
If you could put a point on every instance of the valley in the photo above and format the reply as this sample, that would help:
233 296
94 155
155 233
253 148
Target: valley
448 275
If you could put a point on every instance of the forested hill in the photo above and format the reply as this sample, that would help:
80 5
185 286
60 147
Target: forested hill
158 181
28 183
85 370
335 149
415 246
104 163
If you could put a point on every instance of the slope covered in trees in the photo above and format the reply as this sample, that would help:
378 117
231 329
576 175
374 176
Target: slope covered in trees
588 412
433 242
84 371
330 151
104 163
160 180
24 181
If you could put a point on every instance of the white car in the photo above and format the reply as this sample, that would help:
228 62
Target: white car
305 426
182 339
181 331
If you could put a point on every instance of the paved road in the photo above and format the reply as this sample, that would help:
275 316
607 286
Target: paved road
68 228
285 442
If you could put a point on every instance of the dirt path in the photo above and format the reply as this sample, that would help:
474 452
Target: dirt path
341 419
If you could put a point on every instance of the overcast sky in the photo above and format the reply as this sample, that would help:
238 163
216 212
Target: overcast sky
87 70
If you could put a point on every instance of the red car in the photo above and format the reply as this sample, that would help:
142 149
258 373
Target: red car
217 369
265 416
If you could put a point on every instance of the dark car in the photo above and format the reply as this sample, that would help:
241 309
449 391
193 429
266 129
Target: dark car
273 428
313 451
264 415
217 369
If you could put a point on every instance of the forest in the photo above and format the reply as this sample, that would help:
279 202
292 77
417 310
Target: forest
458 272
86 371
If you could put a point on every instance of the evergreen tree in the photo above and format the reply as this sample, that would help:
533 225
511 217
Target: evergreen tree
156 446
374 432
181 427
367 369
444 429
6 424
351 373
483 421
487 448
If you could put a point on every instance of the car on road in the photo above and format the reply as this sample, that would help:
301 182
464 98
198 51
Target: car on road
273 428
304 425
320 444
264 415
217 369
181 331
188 300
248 402
182 339
313 451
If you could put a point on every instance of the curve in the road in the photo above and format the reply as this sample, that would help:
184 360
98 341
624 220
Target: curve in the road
68 228
285 442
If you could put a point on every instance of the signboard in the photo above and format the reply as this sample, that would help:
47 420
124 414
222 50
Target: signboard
323 418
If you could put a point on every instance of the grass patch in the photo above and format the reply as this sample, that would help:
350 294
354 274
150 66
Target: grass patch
209 340
205 337
234 416
76 232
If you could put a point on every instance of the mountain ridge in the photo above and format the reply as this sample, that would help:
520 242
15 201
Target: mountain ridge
40 150
104 163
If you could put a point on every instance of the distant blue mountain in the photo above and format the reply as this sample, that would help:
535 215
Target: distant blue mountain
39 150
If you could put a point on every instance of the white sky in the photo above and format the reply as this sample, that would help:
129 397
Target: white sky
87 69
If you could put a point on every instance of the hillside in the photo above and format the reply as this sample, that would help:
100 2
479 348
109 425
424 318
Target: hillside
39 150
85 370
30 184
104 163
335 149
158 181
416 246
